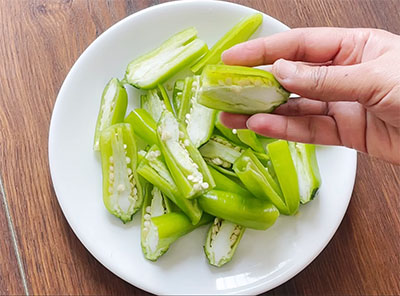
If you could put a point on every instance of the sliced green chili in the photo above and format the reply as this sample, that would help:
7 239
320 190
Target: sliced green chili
228 133
177 94
239 33
114 101
285 171
219 152
258 180
305 162
238 89
143 125
153 103
122 192
161 63
155 204
163 94
250 138
154 170
224 183
187 166
223 237
246 211
165 229
198 120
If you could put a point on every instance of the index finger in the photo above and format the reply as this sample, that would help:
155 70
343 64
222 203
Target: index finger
315 45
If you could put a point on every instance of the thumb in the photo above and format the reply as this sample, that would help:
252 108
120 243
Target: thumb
324 83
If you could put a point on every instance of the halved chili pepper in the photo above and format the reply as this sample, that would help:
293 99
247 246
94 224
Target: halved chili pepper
305 162
198 120
154 103
244 137
153 168
161 63
258 180
114 101
143 125
224 183
122 192
220 153
250 138
165 229
228 133
164 95
177 94
187 166
223 237
185 99
246 211
238 89
155 204
239 33
285 171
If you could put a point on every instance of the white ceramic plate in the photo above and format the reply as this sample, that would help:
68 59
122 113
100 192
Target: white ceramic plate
264 259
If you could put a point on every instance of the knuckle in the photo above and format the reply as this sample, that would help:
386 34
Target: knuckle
292 107
319 77
312 129
295 107
300 52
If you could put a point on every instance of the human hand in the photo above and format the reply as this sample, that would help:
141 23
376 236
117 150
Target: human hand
348 80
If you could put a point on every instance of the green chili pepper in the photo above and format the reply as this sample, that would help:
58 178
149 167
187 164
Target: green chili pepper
184 161
114 101
143 125
244 137
250 138
219 152
185 99
161 63
243 210
265 141
239 33
177 94
222 240
258 180
224 183
155 204
154 170
223 237
154 104
222 170
198 120
163 94
305 162
262 157
122 192
228 133
286 173
165 229
239 89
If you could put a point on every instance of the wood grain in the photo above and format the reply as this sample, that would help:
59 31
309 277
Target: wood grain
42 40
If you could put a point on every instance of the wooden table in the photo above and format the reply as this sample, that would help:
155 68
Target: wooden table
39 254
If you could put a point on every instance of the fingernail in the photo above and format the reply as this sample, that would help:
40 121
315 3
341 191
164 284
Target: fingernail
249 123
222 55
284 69
226 52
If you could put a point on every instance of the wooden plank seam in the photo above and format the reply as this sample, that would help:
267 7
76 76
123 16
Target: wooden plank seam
14 238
